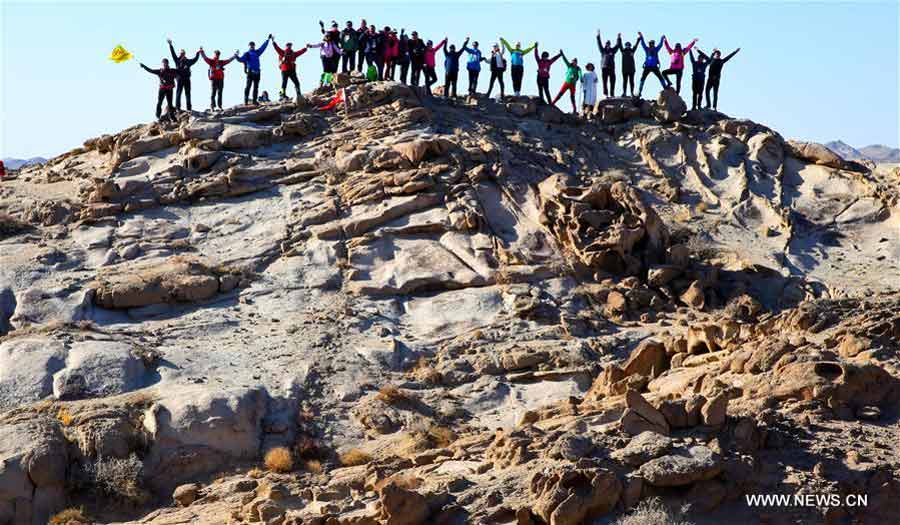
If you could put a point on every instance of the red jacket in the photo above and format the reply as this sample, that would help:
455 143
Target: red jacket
288 59
216 66
391 47
2 170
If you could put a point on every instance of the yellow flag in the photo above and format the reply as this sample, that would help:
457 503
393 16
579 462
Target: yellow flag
120 54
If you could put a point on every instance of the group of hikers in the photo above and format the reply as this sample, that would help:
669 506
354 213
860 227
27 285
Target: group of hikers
387 55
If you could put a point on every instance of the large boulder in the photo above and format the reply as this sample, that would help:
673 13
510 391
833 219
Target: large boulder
99 369
33 462
244 136
174 280
607 227
195 430
682 468
669 106
568 495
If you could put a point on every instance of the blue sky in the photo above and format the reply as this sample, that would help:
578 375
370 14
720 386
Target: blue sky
811 70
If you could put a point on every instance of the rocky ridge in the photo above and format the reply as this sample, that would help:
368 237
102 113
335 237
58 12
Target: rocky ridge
447 312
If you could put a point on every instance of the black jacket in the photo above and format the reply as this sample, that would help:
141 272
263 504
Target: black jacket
183 64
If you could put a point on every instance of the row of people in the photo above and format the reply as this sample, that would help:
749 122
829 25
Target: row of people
651 65
383 51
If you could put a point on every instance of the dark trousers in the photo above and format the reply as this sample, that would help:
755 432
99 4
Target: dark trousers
517 72
217 85
430 78
252 81
404 70
609 75
450 83
292 76
473 81
677 73
656 73
416 71
334 63
348 62
183 84
543 84
713 85
627 79
496 74
697 91
390 67
165 93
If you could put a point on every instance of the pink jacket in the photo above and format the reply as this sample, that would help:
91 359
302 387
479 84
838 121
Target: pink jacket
678 55
431 51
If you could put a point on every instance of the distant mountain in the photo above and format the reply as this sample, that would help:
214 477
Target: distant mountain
14 164
875 153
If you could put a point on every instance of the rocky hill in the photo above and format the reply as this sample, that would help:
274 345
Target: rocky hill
418 311
14 164
875 153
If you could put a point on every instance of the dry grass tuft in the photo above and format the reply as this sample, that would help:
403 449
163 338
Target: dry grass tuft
256 473
65 417
442 437
279 459
391 395
354 457
69 516
313 466
653 512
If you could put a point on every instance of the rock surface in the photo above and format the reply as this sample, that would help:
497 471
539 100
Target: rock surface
420 311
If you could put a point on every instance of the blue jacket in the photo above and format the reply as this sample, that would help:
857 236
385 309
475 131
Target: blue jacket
474 63
251 57
652 53
451 60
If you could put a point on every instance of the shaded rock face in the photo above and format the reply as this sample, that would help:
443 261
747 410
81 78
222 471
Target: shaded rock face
607 227
445 312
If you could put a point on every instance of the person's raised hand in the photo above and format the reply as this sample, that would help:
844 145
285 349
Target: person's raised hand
169 40
619 35
201 49
640 34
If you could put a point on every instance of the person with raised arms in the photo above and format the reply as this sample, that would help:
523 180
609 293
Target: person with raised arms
430 74
451 68
698 77
573 75
517 63
250 59
608 63
183 80
544 63
716 64
676 66
287 59
628 68
216 76
167 76
473 65
651 61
